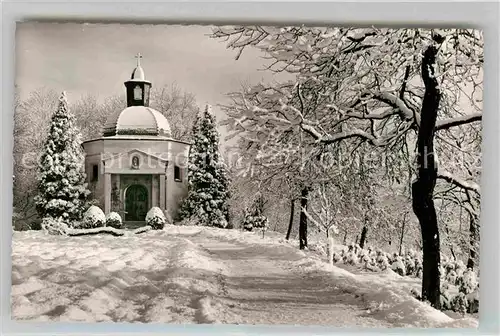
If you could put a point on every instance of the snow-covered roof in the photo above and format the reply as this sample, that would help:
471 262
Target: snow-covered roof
138 74
137 120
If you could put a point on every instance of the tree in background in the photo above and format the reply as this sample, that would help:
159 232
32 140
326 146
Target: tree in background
31 122
62 191
178 106
208 180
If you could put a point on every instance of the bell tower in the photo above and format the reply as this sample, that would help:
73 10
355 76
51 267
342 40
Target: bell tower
138 88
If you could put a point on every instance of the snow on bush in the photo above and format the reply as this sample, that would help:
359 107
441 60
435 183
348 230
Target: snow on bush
382 260
93 217
54 226
398 266
459 303
459 285
113 219
468 282
408 264
473 301
155 218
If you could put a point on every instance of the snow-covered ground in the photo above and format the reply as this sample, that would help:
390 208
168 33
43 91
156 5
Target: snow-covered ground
204 275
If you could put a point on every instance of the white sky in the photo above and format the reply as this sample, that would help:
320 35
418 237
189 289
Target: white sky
97 58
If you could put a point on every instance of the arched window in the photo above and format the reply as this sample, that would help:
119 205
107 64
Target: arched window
177 174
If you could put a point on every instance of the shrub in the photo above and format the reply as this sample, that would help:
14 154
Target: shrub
351 256
382 260
419 268
398 266
155 218
114 220
473 301
54 226
337 256
415 294
467 283
93 217
460 304
460 289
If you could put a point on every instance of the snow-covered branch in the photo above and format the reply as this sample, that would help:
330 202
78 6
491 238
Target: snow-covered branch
466 119
394 101
472 186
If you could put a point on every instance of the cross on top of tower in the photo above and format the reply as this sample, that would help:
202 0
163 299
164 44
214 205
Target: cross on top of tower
138 56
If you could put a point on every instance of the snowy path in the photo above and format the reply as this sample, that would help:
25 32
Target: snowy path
201 275
264 286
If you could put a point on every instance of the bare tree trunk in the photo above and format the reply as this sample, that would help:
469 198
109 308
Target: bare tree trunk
423 187
303 218
473 242
363 237
290 223
402 234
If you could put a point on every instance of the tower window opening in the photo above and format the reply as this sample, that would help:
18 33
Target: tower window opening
177 174
95 173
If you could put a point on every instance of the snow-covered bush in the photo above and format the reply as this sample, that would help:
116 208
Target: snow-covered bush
419 268
446 299
460 304
351 255
319 248
155 218
114 220
382 260
459 287
93 217
415 294
398 266
54 226
337 256
467 283
473 301
412 263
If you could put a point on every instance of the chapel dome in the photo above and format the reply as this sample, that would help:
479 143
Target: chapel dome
137 120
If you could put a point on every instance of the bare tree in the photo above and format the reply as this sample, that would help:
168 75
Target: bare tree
31 120
179 107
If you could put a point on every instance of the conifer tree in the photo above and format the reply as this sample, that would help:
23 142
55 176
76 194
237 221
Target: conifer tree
208 180
62 191
254 216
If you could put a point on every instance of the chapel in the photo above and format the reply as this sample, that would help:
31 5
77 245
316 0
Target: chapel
136 164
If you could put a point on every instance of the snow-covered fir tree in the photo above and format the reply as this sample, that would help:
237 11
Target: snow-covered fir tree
208 179
254 215
62 191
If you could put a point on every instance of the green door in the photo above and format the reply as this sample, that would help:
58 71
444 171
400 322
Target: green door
136 203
